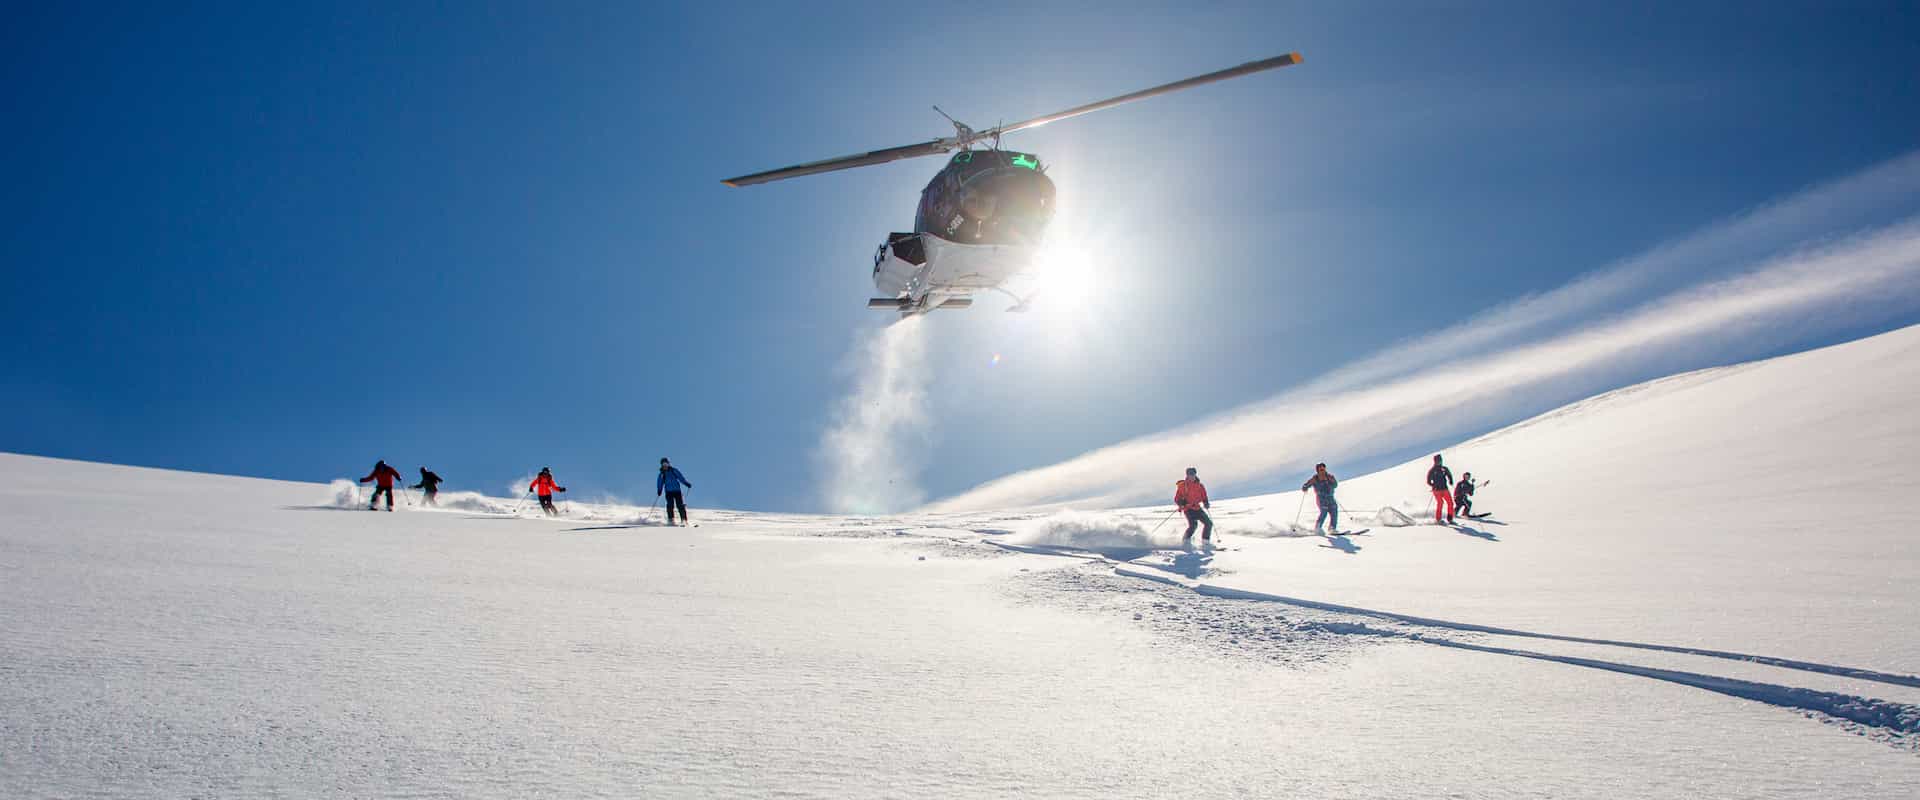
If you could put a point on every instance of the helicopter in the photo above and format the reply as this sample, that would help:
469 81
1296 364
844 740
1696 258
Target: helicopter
982 218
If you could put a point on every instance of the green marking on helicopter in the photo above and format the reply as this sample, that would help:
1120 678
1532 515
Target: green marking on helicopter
1024 160
963 157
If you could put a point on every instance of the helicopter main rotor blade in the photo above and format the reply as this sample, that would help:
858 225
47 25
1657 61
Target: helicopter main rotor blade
967 137
933 148
1231 72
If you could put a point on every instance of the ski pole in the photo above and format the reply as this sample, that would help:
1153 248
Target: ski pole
406 495
519 505
1300 508
1163 523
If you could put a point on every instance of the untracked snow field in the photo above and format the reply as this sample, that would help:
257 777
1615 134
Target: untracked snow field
1703 587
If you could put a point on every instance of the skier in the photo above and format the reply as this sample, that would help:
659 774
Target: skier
1323 483
382 477
429 486
668 485
1463 494
1191 497
1440 479
544 486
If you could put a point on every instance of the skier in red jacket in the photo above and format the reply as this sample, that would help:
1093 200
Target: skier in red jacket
544 487
1191 496
382 477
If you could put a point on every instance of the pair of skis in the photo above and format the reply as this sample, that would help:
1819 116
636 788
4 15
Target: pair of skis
1329 534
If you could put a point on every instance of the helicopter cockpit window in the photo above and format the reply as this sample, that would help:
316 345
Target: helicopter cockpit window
1006 206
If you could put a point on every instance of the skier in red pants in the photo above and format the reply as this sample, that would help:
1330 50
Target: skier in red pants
1440 480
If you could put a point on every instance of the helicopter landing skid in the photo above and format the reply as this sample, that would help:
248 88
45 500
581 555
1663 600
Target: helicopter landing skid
907 305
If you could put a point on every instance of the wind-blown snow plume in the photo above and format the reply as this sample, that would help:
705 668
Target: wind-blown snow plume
1094 532
1751 293
872 449
346 493
1869 199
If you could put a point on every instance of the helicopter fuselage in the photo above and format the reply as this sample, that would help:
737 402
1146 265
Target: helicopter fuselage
981 221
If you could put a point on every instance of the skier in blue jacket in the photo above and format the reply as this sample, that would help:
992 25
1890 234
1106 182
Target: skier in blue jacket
668 486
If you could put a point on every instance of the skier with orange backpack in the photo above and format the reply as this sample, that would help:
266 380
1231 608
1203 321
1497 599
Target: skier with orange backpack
1191 497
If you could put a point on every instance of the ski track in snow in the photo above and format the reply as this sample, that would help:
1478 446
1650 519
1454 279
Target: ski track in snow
1895 723
1871 715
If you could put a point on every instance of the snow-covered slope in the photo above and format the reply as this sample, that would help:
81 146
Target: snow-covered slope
1767 505
1702 586
1746 530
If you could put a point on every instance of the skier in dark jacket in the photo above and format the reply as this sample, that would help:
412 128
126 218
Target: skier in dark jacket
1463 494
429 485
668 486
1323 483
382 478
544 487
1440 480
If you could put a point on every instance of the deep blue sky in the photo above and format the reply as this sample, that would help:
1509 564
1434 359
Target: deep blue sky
285 241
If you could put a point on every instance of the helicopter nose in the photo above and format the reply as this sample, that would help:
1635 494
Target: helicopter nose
978 204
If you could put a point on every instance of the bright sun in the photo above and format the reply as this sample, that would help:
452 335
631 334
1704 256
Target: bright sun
1063 277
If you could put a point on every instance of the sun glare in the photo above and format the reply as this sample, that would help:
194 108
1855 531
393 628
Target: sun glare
1063 278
